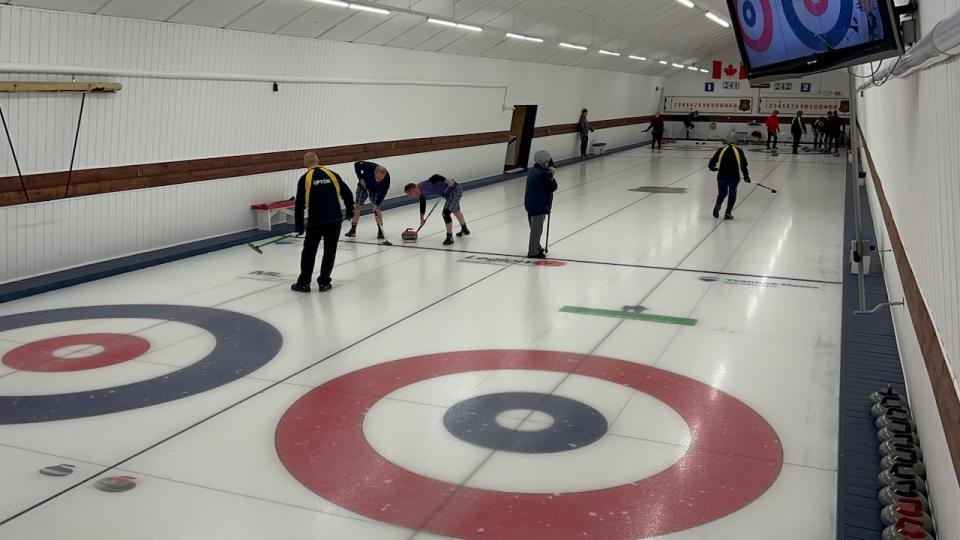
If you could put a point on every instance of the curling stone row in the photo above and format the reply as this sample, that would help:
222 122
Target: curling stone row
904 493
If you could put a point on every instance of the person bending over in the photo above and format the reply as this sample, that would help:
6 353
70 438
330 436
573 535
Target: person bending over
450 191
728 162
374 181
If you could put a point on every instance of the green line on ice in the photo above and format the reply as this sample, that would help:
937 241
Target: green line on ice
618 314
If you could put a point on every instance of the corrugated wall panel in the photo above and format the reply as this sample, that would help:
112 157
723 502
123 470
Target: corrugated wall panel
913 129
157 120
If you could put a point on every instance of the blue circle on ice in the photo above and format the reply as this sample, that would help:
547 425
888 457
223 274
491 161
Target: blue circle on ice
244 344
575 424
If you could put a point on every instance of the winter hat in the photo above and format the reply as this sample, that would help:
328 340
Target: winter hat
542 155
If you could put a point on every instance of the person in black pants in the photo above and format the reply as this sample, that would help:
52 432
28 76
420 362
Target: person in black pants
538 200
797 129
656 124
583 127
728 162
319 192
690 122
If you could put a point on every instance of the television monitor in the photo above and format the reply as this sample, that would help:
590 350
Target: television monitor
784 38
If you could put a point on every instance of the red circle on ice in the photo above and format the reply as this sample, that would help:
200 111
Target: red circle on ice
733 457
39 355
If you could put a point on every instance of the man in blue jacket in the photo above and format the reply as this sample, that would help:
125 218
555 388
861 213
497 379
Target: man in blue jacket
539 200
728 162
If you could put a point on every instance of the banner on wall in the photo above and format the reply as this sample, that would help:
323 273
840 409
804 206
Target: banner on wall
708 105
810 106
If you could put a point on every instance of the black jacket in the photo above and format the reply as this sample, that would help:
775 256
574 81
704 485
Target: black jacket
728 168
540 187
326 191
797 127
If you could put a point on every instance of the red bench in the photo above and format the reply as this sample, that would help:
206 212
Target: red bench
270 214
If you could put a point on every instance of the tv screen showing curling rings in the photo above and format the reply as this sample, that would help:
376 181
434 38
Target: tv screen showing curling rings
780 38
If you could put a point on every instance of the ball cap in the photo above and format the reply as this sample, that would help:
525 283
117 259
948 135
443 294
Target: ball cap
542 155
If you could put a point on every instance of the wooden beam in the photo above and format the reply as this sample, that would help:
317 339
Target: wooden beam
56 86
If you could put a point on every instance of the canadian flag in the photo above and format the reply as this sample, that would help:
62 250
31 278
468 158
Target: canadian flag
729 71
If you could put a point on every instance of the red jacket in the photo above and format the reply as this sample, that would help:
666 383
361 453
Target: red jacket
773 123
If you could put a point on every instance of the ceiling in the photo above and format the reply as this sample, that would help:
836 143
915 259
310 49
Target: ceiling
656 29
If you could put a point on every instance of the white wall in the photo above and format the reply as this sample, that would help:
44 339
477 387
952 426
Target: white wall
688 83
912 127
162 119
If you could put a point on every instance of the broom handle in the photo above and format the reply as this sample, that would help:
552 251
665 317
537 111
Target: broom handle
432 209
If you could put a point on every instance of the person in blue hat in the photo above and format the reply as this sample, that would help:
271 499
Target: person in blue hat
538 199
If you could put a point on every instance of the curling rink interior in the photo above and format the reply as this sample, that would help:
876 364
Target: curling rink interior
662 375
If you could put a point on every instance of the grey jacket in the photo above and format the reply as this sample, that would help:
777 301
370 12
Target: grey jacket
584 127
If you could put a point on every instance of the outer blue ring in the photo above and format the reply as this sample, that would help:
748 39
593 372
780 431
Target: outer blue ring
244 344
811 39
575 424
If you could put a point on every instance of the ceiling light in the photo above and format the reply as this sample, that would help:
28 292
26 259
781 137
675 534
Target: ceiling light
632 57
525 38
692 68
704 70
442 22
572 46
664 62
717 19
679 66
687 3
334 3
452 24
608 53
369 9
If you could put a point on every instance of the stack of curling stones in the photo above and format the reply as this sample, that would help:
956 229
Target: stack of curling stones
904 493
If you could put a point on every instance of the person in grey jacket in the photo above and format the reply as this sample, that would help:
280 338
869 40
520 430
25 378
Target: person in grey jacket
584 129
538 200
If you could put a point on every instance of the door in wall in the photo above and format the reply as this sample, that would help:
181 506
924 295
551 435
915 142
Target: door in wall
521 137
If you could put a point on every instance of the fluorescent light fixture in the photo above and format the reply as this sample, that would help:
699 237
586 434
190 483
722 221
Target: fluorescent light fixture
572 46
525 38
608 53
717 19
442 22
678 66
687 3
664 62
369 9
632 57
692 68
334 3
704 71
452 24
